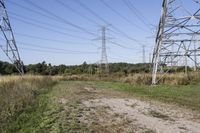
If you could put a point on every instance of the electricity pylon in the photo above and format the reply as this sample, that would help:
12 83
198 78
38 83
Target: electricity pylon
103 63
178 32
10 47
104 59
143 54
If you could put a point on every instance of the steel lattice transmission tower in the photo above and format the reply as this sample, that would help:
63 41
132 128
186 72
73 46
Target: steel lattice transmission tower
177 37
10 47
104 59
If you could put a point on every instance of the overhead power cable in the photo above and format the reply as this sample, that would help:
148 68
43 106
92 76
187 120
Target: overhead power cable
53 48
52 52
106 22
51 40
137 13
46 28
132 39
76 12
58 17
120 15
122 46
38 13
31 10
40 22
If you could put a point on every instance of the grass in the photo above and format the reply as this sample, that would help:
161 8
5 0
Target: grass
46 114
36 118
139 78
17 93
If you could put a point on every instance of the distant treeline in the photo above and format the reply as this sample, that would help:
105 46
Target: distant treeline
48 69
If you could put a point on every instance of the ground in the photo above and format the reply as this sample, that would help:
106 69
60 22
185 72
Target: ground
78 106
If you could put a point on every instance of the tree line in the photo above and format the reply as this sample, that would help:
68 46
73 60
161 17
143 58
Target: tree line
44 68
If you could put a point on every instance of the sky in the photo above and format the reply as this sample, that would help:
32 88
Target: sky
67 33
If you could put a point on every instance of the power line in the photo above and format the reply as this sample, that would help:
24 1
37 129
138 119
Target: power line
46 28
51 40
106 22
53 48
56 52
32 10
138 14
76 12
135 40
120 15
58 17
117 44
50 17
45 23
52 52
37 12
91 11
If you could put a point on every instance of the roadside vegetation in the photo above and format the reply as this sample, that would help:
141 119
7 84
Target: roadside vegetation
17 93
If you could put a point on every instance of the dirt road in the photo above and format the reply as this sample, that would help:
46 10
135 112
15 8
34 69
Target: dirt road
144 116
102 110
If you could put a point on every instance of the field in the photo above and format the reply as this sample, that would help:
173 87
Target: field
54 104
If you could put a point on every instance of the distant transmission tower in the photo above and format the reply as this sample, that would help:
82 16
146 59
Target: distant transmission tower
10 47
143 54
177 37
104 60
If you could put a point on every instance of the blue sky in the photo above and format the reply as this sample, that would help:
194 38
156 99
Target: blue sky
85 46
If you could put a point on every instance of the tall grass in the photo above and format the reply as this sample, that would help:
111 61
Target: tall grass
16 93
168 79
140 78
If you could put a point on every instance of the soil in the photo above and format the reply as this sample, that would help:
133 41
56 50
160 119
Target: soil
112 111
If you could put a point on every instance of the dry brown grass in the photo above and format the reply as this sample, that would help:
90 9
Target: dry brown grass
168 79
16 93
139 79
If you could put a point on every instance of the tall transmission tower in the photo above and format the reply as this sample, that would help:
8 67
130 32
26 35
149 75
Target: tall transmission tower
104 60
178 32
10 47
143 54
